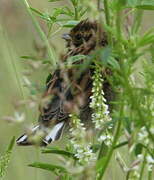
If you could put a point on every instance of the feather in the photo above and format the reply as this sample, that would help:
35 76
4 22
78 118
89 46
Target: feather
55 133
69 90
23 140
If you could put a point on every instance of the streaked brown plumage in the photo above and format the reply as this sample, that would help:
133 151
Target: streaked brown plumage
70 88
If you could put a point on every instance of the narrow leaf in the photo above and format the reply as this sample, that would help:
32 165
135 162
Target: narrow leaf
36 11
29 57
76 58
5 159
121 144
145 7
57 151
49 167
138 149
10 147
105 54
71 24
54 0
114 63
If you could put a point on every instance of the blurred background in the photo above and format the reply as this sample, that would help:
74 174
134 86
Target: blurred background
18 38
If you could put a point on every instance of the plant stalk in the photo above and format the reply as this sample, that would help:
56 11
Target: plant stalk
51 53
111 150
107 12
143 165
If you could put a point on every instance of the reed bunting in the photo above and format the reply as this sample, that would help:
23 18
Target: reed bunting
69 89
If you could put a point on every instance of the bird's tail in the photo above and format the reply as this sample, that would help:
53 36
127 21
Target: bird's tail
48 136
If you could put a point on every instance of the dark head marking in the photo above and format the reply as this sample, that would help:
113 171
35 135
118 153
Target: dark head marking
86 34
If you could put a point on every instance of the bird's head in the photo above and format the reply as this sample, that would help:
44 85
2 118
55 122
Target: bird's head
84 37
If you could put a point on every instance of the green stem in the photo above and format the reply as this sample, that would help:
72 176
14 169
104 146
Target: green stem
107 12
135 105
137 20
128 175
150 175
108 22
100 152
118 25
143 166
121 144
76 11
111 150
51 53
14 65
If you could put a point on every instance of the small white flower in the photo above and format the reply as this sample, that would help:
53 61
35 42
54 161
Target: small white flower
101 112
81 149
136 174
152 130
143 135
150 162
102 138
140 157
149 159
149 167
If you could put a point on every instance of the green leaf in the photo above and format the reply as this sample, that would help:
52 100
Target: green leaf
146 39
12 142
127 124
59 152
121 144
71 24
49 167
138 149
144 4
95 147
5 158
106 58
29 57
145 7
152 52
82 12
44 61
131 2
66 177
54 0
105 54
68 11
36 11
122 3
100 163
44 16
114 63
75 58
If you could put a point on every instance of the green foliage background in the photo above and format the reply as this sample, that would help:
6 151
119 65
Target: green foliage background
17 34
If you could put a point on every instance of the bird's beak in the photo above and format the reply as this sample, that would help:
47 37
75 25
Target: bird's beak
66 36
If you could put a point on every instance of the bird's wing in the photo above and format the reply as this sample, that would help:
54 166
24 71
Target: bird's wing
65 93
52 110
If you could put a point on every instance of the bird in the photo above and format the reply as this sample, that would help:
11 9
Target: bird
69 89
